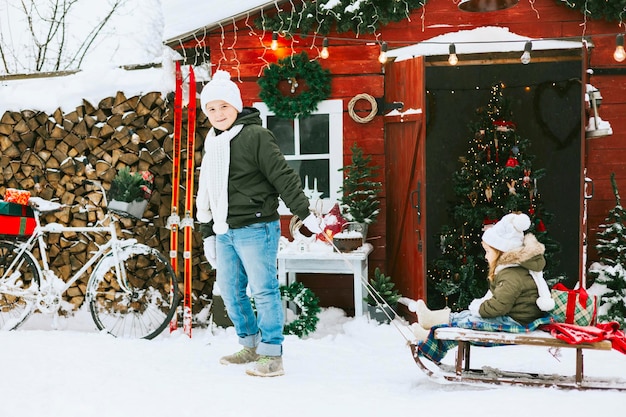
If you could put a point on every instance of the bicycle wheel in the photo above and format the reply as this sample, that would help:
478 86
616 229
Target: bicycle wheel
16 301
140 306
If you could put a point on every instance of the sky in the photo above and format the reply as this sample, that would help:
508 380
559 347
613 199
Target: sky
349 366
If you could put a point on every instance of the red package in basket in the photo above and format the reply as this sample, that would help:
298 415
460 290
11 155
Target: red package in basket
17 196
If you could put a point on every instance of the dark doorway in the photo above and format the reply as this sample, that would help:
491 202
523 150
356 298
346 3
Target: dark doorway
545 99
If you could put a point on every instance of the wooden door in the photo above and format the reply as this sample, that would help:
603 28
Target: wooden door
405 175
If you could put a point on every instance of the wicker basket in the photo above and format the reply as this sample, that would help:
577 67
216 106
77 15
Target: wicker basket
348 243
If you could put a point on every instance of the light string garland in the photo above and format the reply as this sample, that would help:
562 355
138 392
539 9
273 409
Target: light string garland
319 18
367 16
609 10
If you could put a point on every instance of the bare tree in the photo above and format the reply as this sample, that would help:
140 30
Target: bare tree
39 41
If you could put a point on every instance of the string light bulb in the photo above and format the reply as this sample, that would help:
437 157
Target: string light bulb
382 58
453 59
525 58
324 53
274 44
619 55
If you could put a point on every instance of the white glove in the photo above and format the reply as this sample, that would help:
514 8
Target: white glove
313 224
209 251
474 307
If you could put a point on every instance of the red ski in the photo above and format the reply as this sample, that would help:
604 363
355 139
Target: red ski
174 220
187 222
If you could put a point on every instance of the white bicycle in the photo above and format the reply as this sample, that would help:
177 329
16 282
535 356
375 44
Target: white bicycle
132 290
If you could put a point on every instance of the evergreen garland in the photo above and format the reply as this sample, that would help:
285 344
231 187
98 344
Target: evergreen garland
367 16
319 16
304 98
609 10
307 302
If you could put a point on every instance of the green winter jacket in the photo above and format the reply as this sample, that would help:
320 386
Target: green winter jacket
258 175
514 290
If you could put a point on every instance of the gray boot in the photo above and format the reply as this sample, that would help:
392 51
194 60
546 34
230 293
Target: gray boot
267 366
245 355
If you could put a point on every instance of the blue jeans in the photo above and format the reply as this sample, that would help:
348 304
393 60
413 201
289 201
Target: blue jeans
247 257
457 319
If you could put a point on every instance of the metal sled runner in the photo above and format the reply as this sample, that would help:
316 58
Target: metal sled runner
462 372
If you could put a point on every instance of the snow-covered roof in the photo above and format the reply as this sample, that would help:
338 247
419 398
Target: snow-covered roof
184 17
479 40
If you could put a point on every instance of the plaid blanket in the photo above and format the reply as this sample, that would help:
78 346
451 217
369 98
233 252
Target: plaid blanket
436 350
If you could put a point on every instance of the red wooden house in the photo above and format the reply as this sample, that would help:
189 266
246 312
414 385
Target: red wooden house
417 141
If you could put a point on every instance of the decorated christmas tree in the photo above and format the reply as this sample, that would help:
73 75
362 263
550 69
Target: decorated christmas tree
611 246
495 177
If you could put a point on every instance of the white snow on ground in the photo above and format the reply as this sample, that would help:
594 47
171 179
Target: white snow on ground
350 367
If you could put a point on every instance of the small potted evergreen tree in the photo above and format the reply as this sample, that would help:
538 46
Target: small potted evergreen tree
382 297
359 194
130 192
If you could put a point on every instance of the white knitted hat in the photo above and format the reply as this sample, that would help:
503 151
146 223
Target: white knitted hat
221 88
508 233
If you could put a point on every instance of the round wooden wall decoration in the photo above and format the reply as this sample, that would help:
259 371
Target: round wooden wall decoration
373 111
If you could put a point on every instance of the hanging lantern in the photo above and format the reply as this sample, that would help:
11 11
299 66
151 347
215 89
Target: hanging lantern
486 5
596 127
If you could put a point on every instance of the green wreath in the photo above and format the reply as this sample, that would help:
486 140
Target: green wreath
294 70
307 303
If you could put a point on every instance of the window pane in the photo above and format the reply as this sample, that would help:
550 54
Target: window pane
284 132
314 133
315 169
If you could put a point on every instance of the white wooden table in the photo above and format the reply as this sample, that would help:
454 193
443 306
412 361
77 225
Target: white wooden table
290 262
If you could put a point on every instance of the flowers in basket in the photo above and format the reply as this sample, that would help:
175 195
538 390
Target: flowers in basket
130 191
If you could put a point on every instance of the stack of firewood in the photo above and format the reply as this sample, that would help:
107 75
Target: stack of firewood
52 154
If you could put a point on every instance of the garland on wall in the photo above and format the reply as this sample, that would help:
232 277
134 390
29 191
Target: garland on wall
612 10
319 16
366 16
309 84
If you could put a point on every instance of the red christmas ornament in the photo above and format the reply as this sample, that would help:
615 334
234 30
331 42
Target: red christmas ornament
512 162
541 227
504 125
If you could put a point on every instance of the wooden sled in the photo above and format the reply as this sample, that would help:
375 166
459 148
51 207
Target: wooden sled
463 373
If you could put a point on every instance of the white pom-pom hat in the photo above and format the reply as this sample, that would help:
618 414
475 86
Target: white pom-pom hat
221 88
508 233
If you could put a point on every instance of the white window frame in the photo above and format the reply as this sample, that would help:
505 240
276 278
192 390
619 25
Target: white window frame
334 109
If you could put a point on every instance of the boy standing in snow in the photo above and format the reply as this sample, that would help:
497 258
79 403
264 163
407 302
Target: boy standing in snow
243 173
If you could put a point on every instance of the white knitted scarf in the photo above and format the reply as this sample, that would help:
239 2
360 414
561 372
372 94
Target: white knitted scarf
214 174
545 301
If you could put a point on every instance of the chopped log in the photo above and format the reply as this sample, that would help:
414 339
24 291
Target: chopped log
80 129
20 127
58 116
106 131
88 107
7 118
128 159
